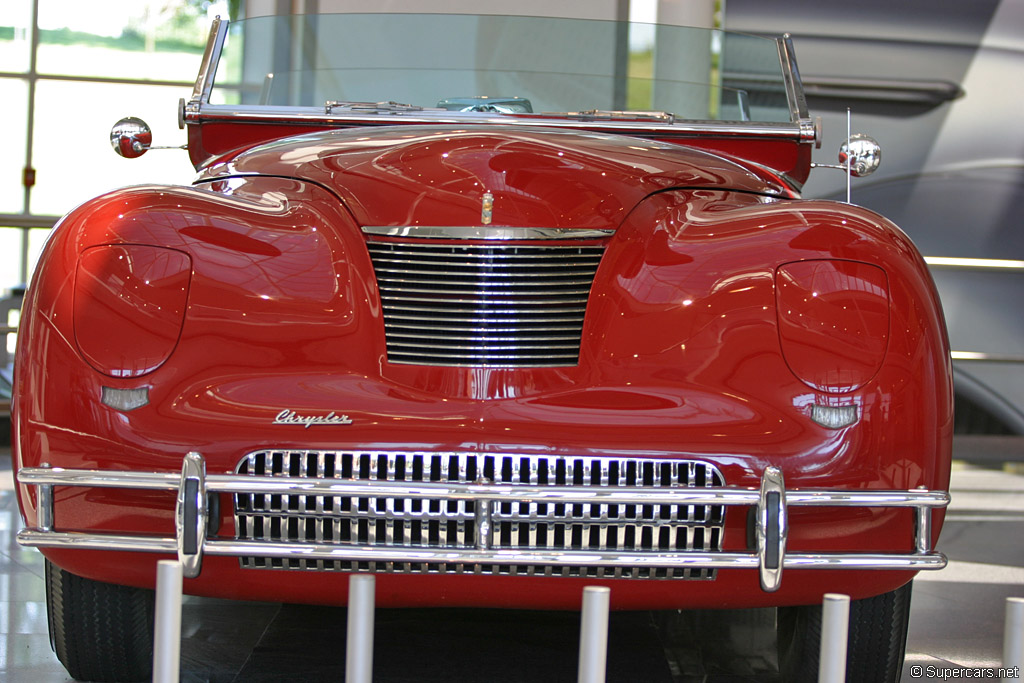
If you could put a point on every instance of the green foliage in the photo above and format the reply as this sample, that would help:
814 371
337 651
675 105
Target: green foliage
130 39
639 85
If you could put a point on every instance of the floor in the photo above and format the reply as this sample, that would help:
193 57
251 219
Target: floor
956 620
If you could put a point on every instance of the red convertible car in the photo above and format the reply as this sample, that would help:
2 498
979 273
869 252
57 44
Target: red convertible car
535 307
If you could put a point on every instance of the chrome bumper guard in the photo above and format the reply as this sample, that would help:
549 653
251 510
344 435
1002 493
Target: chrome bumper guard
771 503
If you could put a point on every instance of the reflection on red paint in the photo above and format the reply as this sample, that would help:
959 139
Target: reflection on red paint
833 321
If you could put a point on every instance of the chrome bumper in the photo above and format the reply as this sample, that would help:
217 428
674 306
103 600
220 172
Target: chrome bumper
193 485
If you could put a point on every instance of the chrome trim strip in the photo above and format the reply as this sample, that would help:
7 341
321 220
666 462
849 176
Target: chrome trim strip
810 129
505 315
471 304
35 538
235 483
791 78
975 263
389 288
426 330
419 340
532 253
497 278
931 561
208 67
416 275
495 362
485 233
307 115
914 498
38 538
155 481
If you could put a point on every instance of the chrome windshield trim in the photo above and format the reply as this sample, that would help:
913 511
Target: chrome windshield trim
485 233
315 115
211 56
791 78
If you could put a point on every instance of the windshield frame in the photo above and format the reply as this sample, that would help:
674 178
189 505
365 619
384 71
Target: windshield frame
199 108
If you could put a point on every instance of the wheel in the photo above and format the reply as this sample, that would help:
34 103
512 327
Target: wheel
100 631
875 648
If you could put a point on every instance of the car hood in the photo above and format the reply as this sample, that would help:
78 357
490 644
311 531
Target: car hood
431 175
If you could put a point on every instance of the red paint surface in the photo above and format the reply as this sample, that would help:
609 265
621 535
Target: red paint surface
680 357
129 306
833 321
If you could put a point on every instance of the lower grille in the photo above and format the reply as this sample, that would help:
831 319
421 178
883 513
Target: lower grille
345 521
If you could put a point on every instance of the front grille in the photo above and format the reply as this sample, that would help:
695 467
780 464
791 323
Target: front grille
491 305
436 523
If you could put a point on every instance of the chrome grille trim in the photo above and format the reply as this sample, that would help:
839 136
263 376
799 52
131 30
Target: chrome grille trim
524 303
489 233
434 524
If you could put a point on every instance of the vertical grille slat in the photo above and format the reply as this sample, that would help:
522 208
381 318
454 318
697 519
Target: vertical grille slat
484 305
382 521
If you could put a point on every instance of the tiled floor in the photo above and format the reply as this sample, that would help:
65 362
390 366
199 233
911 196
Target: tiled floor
957 619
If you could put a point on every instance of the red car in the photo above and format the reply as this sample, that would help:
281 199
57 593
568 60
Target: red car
495 317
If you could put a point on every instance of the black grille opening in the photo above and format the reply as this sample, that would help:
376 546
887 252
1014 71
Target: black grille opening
435 523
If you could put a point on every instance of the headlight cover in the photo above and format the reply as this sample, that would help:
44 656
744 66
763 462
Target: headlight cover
130 306
833 321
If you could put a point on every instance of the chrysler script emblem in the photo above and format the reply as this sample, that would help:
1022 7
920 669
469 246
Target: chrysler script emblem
290 417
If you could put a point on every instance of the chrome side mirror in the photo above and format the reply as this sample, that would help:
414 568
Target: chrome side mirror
861 154
131 137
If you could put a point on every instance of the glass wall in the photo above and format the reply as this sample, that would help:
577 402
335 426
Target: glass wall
68 71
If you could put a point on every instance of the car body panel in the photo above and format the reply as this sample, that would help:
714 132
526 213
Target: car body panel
283 346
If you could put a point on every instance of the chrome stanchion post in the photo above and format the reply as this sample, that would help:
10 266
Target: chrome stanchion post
835 624
1013 639
359 640
167 630
594 634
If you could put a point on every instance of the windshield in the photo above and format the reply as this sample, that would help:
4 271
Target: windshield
500 65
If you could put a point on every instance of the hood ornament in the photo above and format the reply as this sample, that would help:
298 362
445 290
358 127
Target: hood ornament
290 417
487 208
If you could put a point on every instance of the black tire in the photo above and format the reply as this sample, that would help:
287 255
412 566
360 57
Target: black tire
100 631
875 649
